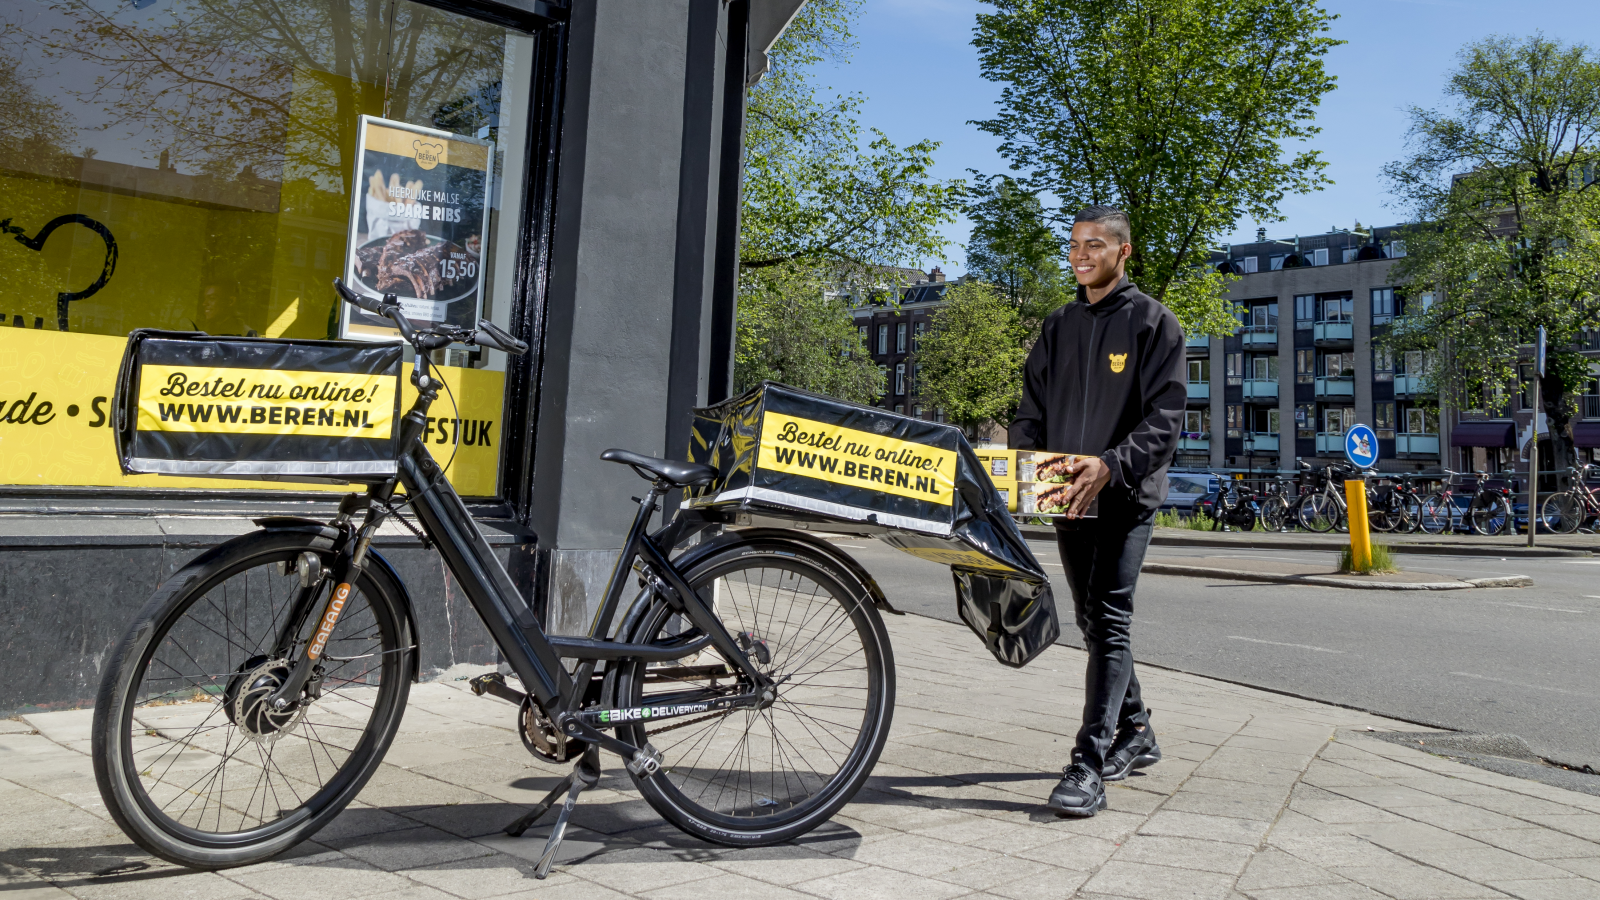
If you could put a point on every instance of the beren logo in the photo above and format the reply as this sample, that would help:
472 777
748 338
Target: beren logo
428 155
1119 361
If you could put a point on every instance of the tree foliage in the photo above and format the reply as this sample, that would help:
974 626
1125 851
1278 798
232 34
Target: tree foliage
812 193
791 329
1179 111
971 356
1014 248
1503 180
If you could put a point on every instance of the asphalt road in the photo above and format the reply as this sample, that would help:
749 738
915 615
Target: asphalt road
1522 661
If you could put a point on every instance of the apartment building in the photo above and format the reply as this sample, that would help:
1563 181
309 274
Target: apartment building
891 334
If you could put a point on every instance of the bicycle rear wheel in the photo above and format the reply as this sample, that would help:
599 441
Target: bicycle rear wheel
1319 513
1562 513
1274 514
749 777
1491 516
190 761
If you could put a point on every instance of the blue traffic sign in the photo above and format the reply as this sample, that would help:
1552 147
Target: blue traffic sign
1361 446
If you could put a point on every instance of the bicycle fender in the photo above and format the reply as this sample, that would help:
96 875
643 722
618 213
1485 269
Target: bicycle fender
328 538
693 555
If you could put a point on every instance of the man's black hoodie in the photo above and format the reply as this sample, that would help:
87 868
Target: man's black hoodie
1107 379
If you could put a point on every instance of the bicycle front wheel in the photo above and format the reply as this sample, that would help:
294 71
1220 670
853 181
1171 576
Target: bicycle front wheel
1562 513
1437 514
1274 514
750 777
1319 513
191 762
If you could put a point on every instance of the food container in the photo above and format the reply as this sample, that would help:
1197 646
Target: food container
1042 482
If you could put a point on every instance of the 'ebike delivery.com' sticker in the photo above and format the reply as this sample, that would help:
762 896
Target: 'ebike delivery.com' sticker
847 456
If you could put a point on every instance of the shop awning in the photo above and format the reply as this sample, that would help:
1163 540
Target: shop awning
1586 434
1484 434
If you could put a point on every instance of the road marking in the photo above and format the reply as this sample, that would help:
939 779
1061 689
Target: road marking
1531 687
1235 637
1545 608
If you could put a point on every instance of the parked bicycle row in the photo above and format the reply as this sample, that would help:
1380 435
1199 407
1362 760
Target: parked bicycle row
1439 502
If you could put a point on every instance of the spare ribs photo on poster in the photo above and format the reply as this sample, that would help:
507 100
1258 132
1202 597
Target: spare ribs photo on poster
418 216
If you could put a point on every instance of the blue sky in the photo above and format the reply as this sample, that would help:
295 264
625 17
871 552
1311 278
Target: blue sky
917 67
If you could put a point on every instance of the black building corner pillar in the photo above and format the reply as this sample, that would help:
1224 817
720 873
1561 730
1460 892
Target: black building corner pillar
629 312
730 187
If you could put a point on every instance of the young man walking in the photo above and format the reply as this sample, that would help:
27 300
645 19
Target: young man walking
1106 380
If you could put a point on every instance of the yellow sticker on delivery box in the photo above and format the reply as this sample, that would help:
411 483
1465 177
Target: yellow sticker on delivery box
798 446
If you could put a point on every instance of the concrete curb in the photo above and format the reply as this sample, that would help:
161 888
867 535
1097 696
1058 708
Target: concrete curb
1503 581
1244 541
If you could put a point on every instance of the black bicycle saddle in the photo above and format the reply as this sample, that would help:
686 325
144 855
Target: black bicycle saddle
679 474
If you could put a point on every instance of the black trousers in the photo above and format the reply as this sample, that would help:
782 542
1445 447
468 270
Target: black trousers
1102 560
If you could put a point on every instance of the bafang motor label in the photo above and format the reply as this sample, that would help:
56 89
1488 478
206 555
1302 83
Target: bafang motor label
848 456
192 399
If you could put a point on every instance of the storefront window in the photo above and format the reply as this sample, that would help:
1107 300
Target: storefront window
188 165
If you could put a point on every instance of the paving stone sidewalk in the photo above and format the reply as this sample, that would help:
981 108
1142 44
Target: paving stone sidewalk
1260 796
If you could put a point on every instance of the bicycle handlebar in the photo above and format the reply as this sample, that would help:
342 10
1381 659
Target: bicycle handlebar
431 337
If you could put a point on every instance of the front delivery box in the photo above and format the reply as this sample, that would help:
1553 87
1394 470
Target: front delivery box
790 456
233 407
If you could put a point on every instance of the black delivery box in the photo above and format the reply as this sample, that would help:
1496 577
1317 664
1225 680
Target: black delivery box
788 456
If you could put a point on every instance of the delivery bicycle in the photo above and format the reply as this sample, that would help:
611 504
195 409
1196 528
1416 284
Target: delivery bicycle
747 684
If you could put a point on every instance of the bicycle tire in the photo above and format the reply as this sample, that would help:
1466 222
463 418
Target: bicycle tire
1436 515
182 626
1274 514
1491 517
1562 513
1315 513
682 791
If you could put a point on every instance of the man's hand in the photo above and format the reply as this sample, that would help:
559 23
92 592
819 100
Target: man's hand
1090 475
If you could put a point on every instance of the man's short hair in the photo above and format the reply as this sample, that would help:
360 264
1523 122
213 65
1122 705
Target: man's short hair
1108 217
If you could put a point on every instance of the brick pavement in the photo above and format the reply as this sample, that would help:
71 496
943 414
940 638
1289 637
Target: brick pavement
1260 796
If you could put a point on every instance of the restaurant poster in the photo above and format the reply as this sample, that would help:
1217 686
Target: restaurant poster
419 212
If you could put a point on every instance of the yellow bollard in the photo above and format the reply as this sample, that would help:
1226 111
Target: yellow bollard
1355 495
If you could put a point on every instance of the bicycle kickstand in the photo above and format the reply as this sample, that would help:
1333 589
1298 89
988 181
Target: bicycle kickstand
585 775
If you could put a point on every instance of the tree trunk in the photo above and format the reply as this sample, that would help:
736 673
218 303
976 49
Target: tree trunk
1553 396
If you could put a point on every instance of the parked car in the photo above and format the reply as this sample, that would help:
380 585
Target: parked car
1184 489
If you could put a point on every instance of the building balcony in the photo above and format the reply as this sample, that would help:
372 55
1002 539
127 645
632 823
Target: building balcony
1591 406
1259 337
1416 445
1341 387
1198 345
1260 390
1330 443
1199 390
1260 442
1194 442
1408 386
1334 334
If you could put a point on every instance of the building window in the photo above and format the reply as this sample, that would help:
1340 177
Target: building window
1318 257
1236 422
1264 317
1199 371
1525 378
883 339
916 378
1197 423
916 411
866 337
1305 366
1235 363
1305 420
916 339
1348 254
1264 367
1414 306
1382 364
1336 309
1419 420
899 379
1338 419
1397 249
900 338
1338 365
1305 310
1383 418
900 408
938 414
1382 305
1276 262
1249 265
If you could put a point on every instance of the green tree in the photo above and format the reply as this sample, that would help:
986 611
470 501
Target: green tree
791 329
971 356
1014 248
812 193
1504 179
1180 111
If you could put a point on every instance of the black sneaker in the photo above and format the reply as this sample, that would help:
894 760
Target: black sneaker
1133 749
1080 792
